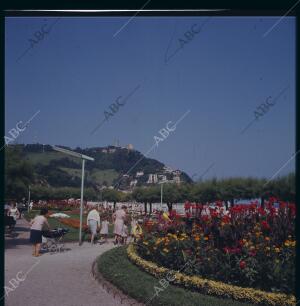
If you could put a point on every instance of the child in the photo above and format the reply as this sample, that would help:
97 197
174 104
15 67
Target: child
104 228
125 232
133 225
138 231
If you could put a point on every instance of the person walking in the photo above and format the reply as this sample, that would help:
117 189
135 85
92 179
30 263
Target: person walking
14 212
93 222
119 217
37 225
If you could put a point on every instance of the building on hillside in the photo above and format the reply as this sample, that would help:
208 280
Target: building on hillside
133 183
139 173
152 179
167 169
177 172
129 147
162 178
176 179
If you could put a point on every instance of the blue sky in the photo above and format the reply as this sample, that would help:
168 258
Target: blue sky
219 77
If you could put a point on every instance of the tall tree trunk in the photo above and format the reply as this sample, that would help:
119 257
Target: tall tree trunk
262 202
226 205
150 212
170 206
231 202
145 205
115 205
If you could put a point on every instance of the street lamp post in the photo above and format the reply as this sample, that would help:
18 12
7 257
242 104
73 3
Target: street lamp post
161 193
28 198
83 159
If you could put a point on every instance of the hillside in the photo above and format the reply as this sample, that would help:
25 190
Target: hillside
55 169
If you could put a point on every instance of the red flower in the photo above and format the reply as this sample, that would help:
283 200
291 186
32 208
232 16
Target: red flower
187 205
265 225
242 264
261 211
226 219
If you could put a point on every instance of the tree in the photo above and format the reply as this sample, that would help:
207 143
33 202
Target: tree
152 196
112 195
140 195
18 174
171 195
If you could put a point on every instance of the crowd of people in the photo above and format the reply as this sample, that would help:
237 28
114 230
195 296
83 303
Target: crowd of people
98 220
120 220
127 224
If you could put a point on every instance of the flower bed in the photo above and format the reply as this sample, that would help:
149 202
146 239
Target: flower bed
248 246
75 223
212 287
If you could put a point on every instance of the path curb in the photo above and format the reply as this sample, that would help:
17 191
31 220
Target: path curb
110 288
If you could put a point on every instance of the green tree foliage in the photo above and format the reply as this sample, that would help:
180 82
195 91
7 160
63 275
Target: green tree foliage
19 174
112 195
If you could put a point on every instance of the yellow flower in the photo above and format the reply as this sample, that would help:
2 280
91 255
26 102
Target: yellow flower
205 238
165 250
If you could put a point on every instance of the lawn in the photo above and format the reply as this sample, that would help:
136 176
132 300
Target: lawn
117 269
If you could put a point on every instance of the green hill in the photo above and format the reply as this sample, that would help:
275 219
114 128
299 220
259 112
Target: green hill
116 167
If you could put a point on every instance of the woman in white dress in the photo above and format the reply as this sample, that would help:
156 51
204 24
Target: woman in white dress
119 217
104 228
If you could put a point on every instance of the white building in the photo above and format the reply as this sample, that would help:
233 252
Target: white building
162 178
133 183
176 179
139 173
152 179
168 169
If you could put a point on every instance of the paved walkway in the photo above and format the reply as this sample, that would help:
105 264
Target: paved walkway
54 279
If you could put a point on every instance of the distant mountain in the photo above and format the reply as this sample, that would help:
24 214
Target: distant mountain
114 167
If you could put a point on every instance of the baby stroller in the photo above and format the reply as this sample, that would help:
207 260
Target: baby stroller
53 241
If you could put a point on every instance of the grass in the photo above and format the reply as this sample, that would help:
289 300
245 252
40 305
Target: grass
72 171
97 175
45 157
115 267
100 176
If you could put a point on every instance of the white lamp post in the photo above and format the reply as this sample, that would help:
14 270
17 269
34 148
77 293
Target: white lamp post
161 193
83 158
28 198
